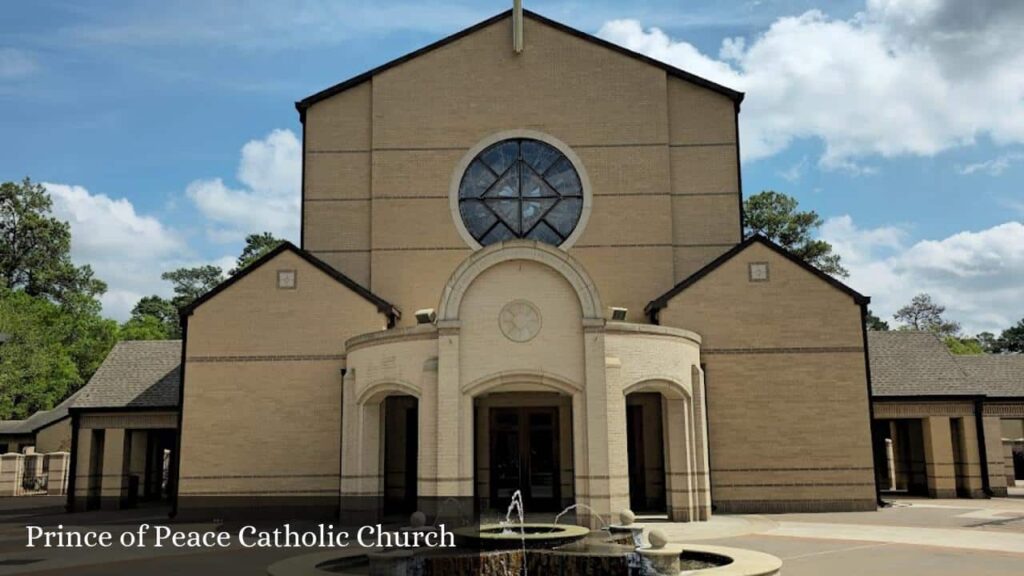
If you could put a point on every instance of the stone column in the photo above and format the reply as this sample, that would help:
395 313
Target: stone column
938 454
607 492
426 457
112 485
454 419
678 460
890 463
997 472
702 473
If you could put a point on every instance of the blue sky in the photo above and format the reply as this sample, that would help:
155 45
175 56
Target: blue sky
166 130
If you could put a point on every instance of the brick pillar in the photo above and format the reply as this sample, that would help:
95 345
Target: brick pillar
57 468
971 451
11 471
938 455
997 472
114 481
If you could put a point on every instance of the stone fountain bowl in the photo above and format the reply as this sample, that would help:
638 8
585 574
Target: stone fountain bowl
532 535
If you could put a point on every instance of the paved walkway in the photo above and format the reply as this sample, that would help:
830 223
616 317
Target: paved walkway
926 537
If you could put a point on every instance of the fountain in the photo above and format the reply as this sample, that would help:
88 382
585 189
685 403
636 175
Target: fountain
514 547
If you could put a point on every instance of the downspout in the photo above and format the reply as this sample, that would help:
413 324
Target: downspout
176 471
73 464
979 413
707 438
871 401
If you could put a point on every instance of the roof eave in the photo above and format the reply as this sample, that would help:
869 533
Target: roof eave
302 105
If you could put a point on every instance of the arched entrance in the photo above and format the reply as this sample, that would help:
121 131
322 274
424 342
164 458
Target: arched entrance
667 459
401 442
645 449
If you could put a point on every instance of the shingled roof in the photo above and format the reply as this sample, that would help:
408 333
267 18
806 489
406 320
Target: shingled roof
136 374
907 363
914 364
999 375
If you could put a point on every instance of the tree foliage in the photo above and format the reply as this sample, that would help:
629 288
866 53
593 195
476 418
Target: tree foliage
925 314
1011 340
776 216
191 283
963 346
35 248
256 245
875 323
55 338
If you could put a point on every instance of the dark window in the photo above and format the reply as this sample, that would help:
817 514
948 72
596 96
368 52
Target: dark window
520 188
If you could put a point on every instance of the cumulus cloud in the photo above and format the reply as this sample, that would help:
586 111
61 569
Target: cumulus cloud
126 249
270 171
902 77
977 275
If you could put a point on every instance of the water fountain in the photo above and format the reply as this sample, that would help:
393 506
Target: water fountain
514 547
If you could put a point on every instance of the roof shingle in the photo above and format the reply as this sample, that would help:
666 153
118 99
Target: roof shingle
143 374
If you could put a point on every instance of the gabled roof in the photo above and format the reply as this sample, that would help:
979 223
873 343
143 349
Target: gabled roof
663 300
910 363
136 374
382 305
996 375
305 103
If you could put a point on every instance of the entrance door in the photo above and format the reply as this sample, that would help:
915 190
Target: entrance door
524 456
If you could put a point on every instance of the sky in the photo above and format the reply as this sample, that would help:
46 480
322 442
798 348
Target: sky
166 131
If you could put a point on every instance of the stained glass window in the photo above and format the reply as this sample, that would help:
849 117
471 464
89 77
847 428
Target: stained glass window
521 188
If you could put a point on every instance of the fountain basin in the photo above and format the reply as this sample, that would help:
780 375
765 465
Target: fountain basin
530 535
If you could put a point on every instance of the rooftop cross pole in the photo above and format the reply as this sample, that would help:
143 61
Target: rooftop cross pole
517 26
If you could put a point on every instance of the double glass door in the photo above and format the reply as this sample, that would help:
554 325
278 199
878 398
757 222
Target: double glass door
524 456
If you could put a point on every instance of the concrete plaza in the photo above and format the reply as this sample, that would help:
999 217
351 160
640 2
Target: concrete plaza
913 536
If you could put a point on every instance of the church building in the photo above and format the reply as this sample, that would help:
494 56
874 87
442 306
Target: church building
522 267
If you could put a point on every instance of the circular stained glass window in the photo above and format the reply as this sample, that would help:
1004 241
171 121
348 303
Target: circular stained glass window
520 188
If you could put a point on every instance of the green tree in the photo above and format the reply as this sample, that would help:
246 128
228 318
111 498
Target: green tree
49 311
145 327
775 216
963 346
153 318
256 245
50 351
988 342
1012 339
191 283
925 314
875 323
35 248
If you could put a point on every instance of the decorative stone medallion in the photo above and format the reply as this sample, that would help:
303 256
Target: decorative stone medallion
519 321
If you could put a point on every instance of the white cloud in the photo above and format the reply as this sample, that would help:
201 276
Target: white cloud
902 77
271 173
976 275
127 250
16 63
993 167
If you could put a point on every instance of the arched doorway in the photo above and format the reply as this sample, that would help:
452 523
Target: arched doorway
645 449
401 441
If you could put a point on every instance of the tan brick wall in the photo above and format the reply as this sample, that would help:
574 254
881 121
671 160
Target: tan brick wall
253 317
787 389
263 383
641 136
558 347
793 309
55 437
